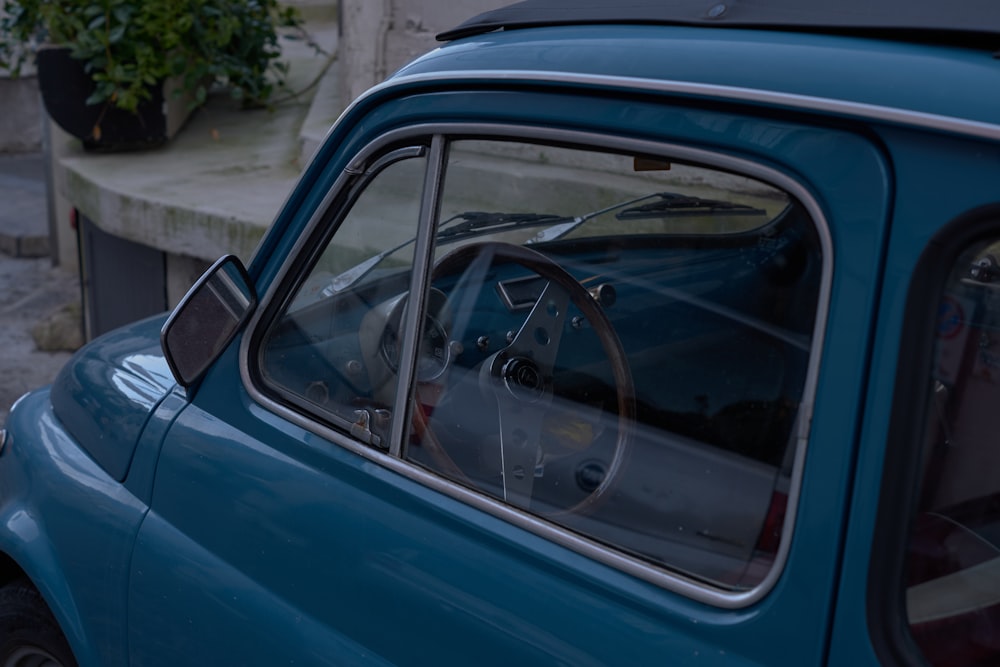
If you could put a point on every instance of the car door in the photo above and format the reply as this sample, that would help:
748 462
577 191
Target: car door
919 583
532 389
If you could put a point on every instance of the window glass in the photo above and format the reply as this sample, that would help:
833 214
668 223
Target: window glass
330 349
953 560
618 344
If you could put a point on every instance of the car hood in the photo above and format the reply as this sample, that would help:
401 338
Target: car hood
106 392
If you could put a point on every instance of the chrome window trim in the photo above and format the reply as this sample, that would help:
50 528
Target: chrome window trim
430 200
826 105
669 580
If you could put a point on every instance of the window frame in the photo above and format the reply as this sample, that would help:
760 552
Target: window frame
331 214
901 472
335 205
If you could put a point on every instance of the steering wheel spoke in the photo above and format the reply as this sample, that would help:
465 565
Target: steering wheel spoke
521 377
520 448
538 338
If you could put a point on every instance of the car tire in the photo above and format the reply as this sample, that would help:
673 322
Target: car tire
29 635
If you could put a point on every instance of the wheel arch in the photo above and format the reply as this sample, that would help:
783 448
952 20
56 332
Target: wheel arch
10 570
36 565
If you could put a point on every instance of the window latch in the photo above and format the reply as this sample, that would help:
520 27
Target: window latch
362 426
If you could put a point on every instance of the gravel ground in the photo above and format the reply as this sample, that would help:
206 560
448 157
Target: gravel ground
31 291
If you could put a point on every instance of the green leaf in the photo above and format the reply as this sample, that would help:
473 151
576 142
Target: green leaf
123 13
96 98
128 45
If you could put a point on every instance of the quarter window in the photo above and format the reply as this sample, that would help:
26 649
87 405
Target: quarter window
325 352
614 343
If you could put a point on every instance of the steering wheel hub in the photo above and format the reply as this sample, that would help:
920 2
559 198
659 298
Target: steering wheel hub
523 379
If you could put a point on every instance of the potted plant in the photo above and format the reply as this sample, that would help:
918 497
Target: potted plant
118 61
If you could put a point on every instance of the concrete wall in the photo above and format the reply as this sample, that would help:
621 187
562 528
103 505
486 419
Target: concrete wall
20 115
20 111
380 36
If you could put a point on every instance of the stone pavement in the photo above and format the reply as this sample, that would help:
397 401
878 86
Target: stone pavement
32 291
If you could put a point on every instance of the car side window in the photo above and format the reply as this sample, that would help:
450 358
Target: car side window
614 344
953 555
620 349
320 354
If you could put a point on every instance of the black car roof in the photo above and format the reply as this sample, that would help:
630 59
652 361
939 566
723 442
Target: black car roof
963 22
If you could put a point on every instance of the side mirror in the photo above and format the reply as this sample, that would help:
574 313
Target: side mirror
206 319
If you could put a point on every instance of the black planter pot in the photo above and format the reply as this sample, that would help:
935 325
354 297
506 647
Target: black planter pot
65 87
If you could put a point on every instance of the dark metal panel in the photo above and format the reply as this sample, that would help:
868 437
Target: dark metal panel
122 280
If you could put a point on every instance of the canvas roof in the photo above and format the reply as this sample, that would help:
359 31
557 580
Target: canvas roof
961 22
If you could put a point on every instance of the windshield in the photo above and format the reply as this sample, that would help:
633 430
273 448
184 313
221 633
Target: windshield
573 195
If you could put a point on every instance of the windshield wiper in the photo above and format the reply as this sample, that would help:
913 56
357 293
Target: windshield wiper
674 205
475 223
667 204
468 223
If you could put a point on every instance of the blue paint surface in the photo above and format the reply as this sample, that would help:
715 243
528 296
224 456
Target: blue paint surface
166 527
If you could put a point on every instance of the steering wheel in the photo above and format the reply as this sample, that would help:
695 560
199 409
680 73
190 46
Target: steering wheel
519 377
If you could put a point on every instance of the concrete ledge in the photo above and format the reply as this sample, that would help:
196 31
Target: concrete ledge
217 186
24 246
324 111
201 196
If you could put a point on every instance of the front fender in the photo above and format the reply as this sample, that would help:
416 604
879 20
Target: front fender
106 393
70 527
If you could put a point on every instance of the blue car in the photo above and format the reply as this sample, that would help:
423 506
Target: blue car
658 333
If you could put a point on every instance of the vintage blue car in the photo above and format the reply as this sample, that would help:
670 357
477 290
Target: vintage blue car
648 333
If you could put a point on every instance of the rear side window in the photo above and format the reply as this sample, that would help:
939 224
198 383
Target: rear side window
953 557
